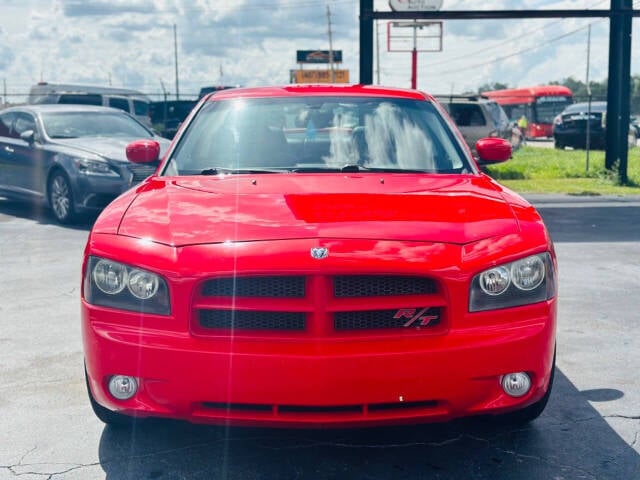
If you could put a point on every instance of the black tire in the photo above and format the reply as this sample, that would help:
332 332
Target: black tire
104 414
558 145
530 413
60 196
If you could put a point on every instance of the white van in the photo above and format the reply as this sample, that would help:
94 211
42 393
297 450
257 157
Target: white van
131 101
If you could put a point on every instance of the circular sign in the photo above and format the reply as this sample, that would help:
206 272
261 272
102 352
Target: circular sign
415 5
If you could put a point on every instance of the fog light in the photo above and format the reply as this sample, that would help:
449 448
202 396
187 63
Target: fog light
516 384
123 387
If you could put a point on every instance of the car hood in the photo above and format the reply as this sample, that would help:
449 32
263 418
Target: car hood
113 148
435 208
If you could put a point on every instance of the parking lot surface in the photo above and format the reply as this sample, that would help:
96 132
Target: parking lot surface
590 429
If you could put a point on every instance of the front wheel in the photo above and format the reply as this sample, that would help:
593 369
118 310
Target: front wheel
61 197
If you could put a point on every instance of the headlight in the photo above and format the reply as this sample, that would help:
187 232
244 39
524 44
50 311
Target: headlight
87 166
529 280
110 277
113 284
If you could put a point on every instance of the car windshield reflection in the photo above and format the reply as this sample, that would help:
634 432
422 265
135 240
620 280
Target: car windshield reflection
316 134
61 125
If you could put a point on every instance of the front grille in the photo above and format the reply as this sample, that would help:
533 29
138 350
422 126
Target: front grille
384 319
380 285
141 171
270 286
252 320
299 305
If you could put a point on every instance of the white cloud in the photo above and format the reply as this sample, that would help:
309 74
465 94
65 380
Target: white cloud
130 43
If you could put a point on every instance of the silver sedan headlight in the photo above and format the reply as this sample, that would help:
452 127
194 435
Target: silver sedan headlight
89 166
528 280
113 284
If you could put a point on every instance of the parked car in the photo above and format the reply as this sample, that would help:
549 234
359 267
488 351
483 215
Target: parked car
478 118
166 117
204 91
72 157
319 256
570 127
133 102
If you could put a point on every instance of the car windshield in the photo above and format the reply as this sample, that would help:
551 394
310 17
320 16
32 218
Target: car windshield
92 124
548 107
303 134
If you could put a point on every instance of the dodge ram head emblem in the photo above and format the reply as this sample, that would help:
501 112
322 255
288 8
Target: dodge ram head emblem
319 253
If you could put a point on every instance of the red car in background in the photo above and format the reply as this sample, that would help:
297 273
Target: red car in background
319 256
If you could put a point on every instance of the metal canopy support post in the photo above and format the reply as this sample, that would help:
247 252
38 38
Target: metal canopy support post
366 42
618 92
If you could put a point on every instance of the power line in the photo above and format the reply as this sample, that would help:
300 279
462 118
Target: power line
508 40
519 52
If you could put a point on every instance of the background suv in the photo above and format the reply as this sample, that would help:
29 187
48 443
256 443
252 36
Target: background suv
477 118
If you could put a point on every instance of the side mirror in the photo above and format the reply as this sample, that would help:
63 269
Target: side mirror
143 151
493 150
28 136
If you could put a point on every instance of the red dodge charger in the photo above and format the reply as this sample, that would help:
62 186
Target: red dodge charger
319 256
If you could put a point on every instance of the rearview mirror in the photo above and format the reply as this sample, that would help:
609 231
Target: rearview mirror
143 151
493 150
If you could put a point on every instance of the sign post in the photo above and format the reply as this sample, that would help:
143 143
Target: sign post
426 37
413 6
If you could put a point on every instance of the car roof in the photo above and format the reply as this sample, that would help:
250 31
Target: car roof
58 107
294 90
65 88
583 107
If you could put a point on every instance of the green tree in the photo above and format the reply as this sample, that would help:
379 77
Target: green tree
492 86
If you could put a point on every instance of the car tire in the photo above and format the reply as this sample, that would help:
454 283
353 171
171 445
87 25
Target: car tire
558 145
60 196
530 413
104 414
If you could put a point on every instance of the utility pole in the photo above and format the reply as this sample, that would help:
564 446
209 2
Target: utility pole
333 75
175 54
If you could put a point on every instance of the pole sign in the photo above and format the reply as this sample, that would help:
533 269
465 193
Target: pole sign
319 76
415 5
318 56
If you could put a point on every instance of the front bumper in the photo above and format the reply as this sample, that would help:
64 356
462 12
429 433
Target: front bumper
321 383
578 138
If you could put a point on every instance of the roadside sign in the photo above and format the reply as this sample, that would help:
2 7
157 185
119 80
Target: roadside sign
318 56
415 5
319 76
426 36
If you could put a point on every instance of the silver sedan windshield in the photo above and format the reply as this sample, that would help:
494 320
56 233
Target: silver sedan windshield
92 124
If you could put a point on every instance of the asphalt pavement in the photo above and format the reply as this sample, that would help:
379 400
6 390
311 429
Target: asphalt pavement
590 429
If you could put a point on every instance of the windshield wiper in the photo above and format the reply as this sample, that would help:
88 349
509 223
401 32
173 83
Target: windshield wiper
225 171
352 168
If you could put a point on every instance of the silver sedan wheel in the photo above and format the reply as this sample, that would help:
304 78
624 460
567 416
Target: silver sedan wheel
61 197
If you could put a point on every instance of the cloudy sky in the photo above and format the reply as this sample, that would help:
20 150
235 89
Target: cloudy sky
253 42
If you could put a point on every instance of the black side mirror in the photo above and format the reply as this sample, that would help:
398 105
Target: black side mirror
28 136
